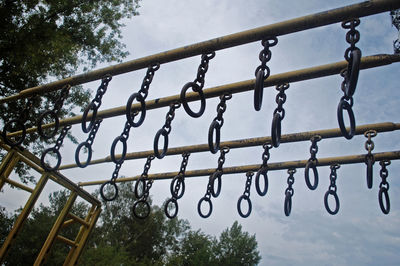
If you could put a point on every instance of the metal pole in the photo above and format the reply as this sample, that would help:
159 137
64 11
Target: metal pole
282 28
394 155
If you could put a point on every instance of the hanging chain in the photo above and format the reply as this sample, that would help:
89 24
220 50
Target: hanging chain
221 159
88 145
95 104
369 158
206 198
332 190
55 150
164 131
278 115
289 192
312 163
217 123
197 86
217 175
263 170
60 101
383 194
177 184
246 196
350 75
262 71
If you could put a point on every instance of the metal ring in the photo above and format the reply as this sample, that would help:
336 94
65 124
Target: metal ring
369 162
93 107
124 148
328 209
78 150
199 207
384 191
138 193
182 187
146 211
44 165
311 165
164 133
215 126
343 105
102 191
276 130
353 69
258 90
128 112
4 132
247 198
216 175
40 124
175 202
195 88
262 171
287 206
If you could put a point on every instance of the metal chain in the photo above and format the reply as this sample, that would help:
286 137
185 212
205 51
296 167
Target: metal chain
369 158
55 150
278 115
206 198
144 90
60 139
332 190
63 96
93 132
202 69
263 171
289 192
245 196
24 114
221 108
312 163
262 71
281 99
217 123
383 194
170 116
221 159
101 91
265 155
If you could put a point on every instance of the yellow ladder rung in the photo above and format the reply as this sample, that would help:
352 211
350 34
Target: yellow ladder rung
66 241
78 219
18 185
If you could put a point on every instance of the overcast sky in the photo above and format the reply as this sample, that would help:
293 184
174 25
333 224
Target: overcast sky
359 234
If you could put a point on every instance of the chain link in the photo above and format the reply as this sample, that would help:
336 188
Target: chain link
289 192
144 90
60 101
221 159
332 190
266 155
246 196
312 163
217 123
55 150
263 171
278 115
383 195
369 157
203 67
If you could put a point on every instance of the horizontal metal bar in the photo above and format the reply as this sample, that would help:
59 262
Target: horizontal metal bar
393 155
250 142
18 185
66 240
282 28
237 87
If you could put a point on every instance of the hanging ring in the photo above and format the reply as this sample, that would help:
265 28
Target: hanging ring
208 200
259 89
44 165
337 203
195 88
343 105
312 165
53 115
264 172
139 193
128 112
162 132
215 126
146 212
383 192
369 162
288 204
89 156
166 210
216 176
92 107
113 197
7 126
176 194
246 198
353 69
276 130
124 149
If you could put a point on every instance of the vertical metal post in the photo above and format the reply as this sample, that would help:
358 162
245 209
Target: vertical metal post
22 217
54 231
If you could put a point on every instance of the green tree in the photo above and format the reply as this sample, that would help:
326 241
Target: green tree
43 40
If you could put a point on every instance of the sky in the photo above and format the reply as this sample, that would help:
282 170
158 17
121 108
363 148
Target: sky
360 234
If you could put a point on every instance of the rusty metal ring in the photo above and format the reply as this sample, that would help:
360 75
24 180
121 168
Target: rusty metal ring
311 164
162 132
215 126
287 206
44 165
181 188
216 176
326 203
93 107
138 193
195 88
124 149
7 126
343 105
89 156
276 130
258 90
102 191
208 200
241 198
264 172
40 124
369 162
146 211
384 192
353 69
166 211
128 112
